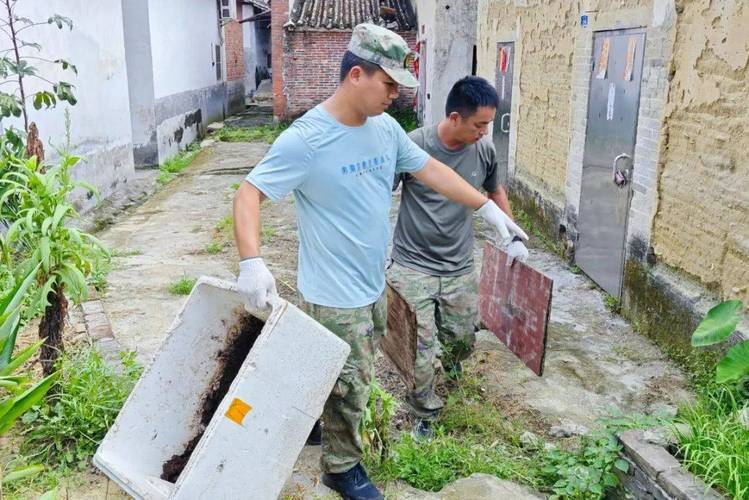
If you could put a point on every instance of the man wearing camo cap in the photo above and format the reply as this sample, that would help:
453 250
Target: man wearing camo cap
339 160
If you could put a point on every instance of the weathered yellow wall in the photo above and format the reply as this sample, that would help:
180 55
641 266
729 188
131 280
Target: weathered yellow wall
546 46
702 222
546 42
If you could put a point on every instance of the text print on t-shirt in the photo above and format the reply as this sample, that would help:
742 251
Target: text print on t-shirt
365 167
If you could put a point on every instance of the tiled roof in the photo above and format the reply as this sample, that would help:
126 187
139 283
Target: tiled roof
345 14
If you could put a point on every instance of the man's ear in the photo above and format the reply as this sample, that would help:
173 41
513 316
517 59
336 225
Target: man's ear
454 118
355 74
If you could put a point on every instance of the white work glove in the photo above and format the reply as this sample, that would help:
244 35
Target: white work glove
506 228
516 250
256 284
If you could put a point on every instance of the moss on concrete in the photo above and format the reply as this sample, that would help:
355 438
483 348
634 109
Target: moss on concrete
665 317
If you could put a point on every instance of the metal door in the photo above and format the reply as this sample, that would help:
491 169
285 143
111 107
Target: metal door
613 106
501 128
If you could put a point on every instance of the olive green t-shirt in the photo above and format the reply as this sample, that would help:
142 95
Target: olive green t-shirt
434 235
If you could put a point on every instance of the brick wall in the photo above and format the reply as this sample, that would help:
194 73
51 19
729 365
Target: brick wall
702 221
278 16
311 67
234 48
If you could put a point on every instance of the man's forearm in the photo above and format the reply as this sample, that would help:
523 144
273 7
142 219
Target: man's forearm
444 180
500 198
247 202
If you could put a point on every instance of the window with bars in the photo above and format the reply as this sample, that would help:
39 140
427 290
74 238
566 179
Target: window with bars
224 9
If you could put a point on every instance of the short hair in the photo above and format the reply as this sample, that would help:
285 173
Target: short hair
470 93
350 60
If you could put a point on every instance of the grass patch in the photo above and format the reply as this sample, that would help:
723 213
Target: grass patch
225 225
213 248
126 252
234 186
430 466
529 226
612 303
267 233
263 133
716 447
472 436
182 286
176 164
406 117
64 432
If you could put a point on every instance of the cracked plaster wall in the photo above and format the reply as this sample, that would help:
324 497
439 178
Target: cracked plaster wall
702 222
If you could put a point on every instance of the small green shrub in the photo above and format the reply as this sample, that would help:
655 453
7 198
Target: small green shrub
64 431
182 286
213 248
375 424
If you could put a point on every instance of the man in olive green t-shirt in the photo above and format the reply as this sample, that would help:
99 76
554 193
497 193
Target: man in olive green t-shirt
432 259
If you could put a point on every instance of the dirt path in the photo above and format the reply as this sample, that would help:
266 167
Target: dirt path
595 360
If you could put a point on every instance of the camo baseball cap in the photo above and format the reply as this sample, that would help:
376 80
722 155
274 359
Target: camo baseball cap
386 49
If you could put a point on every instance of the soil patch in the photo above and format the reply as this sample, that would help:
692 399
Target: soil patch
239 340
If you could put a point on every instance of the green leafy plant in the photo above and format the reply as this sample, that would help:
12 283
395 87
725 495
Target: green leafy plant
717 325
17 391
16 66
66 429
406 117
42 237
587 473
375 424
182 286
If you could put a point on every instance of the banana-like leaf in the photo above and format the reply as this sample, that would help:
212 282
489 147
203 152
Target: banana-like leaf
45 226
20 358
8 332
22 403
734 365
60 212
44 252
22 473
14 298
719 323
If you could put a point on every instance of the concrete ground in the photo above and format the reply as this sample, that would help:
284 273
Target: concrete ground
595 361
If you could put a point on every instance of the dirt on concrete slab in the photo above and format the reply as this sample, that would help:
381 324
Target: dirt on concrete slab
240 338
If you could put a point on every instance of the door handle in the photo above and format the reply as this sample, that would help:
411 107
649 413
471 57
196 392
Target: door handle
619 177
502 127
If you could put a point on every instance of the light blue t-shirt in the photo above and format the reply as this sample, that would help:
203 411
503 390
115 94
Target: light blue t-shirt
342 179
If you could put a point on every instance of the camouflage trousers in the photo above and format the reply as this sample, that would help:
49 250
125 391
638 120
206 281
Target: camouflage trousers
362 328
446 310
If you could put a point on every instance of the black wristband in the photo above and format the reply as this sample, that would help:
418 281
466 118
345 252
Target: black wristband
517 238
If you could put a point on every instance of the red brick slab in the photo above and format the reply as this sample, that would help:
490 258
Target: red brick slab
514 304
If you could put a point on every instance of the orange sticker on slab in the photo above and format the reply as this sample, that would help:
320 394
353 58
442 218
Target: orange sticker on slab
238 409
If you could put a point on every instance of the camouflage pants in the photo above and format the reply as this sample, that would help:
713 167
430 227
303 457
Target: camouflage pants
446 310
362 328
